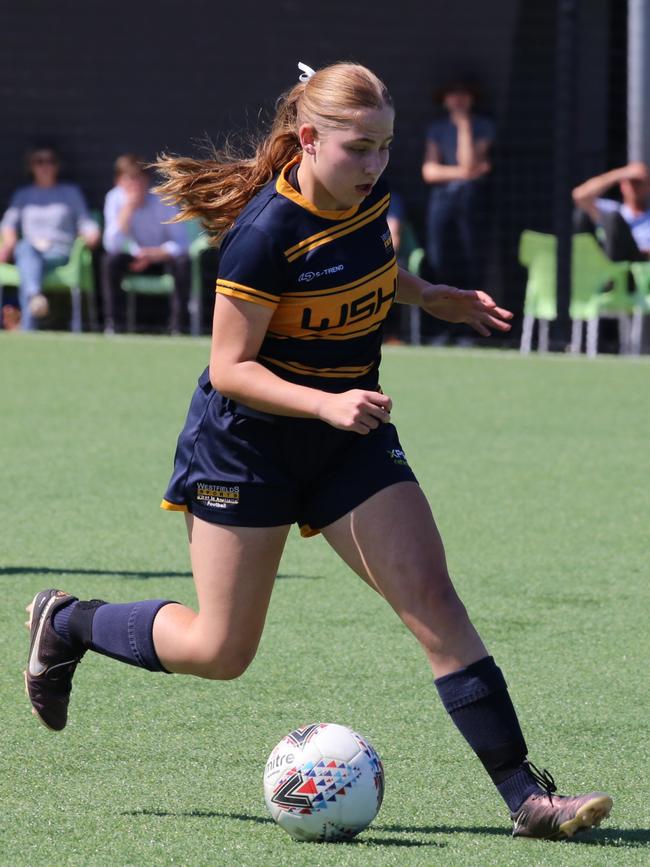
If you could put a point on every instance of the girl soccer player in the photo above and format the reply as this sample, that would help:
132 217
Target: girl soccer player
288 424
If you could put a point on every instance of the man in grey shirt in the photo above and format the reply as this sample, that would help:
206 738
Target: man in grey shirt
39 228
138 238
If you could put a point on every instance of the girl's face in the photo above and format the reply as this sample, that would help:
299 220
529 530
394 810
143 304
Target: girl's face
344 164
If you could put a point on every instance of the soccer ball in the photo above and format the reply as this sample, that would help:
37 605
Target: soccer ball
323 782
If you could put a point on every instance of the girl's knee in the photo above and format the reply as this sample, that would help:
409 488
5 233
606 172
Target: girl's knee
224 663
436 594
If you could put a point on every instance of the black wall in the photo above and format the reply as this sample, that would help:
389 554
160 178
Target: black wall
99 79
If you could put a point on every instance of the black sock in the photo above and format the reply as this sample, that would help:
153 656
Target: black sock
476 697
73 622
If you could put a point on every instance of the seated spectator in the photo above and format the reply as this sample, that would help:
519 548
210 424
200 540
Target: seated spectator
140 239
39 229
626 224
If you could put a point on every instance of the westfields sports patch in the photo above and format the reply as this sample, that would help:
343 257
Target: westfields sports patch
216 495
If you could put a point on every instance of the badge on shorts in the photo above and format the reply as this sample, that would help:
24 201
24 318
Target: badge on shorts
216 495
398 457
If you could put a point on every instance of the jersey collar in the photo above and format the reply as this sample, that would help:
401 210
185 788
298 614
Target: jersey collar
285 189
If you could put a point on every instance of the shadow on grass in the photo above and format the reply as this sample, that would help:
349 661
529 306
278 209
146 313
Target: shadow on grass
117 573
635 838
264 820
199 814
488 830
615 837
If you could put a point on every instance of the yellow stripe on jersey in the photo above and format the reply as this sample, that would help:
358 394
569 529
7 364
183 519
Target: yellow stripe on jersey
343 287
350 372
331 335
336 232
343 311
246 293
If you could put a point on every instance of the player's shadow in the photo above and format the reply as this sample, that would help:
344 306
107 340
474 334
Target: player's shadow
615 837
637 838
117 573
622 838
367 838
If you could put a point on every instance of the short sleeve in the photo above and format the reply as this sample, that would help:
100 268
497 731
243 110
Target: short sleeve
83 220
11 218
607 206
249 267
435 132
177 241
484 128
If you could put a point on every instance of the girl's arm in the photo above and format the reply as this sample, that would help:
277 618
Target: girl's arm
238 330
475 308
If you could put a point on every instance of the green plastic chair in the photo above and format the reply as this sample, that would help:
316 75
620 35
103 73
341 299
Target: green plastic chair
641 273
163 284
538 253
412 256
76 276
591 272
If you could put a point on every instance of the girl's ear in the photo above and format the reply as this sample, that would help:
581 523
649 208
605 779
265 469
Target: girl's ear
307 136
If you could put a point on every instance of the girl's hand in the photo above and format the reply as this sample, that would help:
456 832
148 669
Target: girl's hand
474 308
356 410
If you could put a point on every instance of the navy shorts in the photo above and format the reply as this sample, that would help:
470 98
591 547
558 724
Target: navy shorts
244 468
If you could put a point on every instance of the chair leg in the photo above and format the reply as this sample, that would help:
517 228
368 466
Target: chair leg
576 336
624 334
527 334
415 334
196 314
592 337
76 322
542 335
130 312
92 311
636 332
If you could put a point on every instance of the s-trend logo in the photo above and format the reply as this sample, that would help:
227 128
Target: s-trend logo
308 276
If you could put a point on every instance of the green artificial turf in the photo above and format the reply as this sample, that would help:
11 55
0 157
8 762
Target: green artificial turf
537 471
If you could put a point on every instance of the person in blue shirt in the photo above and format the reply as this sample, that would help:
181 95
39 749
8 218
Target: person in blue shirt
457 165
39 228
140 239
626 223
289 424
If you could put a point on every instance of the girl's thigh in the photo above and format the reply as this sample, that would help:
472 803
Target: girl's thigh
392 542
234 570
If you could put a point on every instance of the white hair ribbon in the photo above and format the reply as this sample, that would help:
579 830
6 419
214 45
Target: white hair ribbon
306 71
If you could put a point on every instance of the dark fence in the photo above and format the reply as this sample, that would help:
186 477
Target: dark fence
102 79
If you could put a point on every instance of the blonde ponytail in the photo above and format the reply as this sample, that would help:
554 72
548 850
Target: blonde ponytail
215 190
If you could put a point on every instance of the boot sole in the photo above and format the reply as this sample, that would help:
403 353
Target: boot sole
590 815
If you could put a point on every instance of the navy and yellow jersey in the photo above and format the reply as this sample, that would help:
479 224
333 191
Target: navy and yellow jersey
330 278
